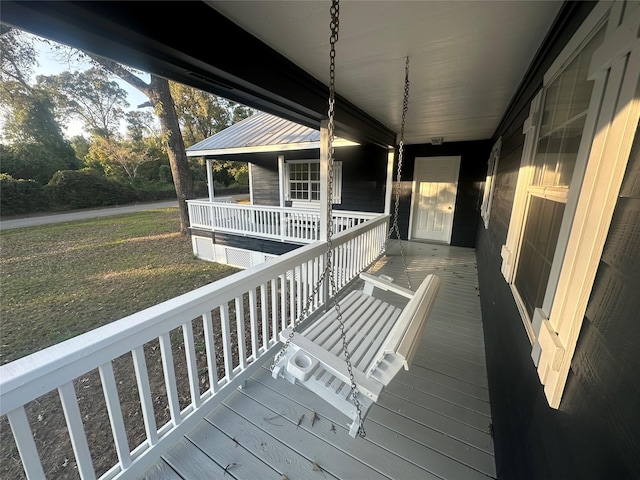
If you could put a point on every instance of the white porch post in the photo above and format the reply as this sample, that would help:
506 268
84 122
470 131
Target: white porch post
249 166
324 179
210 180
391 154
281 179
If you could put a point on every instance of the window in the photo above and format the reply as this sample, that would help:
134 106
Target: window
577 142
490 184
564 111
303 181
547 169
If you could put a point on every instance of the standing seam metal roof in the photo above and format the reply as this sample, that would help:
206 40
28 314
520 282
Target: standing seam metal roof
260 129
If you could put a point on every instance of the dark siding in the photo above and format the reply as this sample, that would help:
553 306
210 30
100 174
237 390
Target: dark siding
473 170
265 183
604 382
364 173
595 434
251 243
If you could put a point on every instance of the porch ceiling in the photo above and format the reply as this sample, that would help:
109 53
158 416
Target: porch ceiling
467 58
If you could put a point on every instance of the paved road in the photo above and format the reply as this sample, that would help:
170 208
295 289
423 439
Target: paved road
82 214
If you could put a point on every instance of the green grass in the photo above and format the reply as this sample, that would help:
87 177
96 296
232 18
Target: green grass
61 280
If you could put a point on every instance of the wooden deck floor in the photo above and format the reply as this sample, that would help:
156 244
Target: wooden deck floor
432 422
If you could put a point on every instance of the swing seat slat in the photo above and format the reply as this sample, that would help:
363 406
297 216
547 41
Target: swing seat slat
382 339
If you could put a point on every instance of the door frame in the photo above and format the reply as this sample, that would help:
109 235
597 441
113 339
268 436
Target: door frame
414 189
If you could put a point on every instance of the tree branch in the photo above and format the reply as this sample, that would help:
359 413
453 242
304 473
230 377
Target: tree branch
122 72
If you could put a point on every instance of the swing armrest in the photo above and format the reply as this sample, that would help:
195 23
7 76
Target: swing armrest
385 285
336 366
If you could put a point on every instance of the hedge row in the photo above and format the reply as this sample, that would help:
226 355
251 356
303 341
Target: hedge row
86 188
71 189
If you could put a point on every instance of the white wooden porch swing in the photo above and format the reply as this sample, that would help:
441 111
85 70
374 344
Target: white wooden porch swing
382 338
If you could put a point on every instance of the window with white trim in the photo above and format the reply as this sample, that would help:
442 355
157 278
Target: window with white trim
490 184
303 181
559 114
577 142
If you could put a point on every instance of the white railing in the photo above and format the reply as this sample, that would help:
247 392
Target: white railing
205 328
284 224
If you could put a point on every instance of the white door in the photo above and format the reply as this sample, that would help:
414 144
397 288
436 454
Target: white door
435 183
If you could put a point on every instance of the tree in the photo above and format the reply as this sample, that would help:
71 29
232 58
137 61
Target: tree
119 158
159 95
202 114
36 146
90 96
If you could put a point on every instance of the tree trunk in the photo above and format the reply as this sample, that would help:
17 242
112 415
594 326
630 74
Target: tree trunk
159 95
162 102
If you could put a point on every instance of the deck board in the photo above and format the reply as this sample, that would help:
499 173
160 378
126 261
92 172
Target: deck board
431 422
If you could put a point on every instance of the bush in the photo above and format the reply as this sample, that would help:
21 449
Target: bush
164 174
21 196
32 161
87 188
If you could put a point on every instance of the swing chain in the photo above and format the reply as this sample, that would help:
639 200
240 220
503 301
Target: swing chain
328 272
394 227
334 25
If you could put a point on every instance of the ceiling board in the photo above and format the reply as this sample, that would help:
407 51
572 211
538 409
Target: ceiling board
466 58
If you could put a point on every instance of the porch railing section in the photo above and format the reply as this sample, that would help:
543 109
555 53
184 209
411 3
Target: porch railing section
221 329
284 224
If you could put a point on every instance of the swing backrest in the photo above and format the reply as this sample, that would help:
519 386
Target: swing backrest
404 338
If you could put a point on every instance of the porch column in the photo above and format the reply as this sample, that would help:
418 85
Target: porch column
281 179
324 179
388 192
210 180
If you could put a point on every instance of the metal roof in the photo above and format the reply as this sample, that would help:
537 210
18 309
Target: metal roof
261 132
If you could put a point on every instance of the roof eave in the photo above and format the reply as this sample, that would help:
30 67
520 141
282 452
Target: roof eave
338 142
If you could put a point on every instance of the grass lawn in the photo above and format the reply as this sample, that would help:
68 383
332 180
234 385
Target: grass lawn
64 279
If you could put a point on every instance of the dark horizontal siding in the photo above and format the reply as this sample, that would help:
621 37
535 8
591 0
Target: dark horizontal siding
265 184
252 243
604 385
364 174
595 434
364 171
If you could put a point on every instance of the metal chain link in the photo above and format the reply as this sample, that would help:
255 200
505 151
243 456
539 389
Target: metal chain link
394 227
328 272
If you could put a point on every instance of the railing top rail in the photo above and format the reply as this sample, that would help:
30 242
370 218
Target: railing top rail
30 377
240 206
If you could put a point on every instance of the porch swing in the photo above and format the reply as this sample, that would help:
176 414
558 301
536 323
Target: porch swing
352 351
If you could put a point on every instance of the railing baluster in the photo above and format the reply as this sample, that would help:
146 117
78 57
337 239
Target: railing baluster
192 364
242 347
212 365
226 341
253 317
299 282
146 401
292 296
78 437
265 319
115 414
170 377
26 446
274 310
283 301
304 280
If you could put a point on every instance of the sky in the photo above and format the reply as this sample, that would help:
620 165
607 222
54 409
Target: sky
48 65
